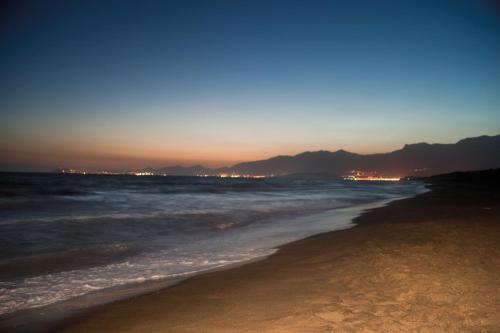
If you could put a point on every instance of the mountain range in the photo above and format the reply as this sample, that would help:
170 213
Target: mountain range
420 159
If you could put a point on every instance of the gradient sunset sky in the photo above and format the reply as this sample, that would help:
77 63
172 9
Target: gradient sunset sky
128 84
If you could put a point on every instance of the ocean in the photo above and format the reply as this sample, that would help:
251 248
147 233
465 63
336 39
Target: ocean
63 236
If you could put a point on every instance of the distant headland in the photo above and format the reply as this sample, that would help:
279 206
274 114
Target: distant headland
413 160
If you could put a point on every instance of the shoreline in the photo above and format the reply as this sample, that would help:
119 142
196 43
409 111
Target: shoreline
428 263
58 315
192 298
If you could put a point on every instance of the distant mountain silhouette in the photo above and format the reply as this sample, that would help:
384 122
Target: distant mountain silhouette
420 159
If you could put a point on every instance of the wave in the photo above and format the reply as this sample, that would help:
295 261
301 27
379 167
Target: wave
58 261
119 230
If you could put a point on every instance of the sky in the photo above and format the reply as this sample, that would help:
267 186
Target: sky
127 84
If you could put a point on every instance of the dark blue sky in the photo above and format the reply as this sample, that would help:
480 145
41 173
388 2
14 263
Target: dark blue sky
128 83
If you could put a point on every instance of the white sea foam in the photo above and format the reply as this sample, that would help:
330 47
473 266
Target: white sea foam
47 289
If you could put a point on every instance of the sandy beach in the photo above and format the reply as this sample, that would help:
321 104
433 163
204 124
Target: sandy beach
250 166
426 264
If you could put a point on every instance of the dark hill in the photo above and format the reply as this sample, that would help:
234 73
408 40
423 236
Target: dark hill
420 159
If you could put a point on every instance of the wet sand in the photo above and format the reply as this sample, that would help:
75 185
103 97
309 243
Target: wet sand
426 264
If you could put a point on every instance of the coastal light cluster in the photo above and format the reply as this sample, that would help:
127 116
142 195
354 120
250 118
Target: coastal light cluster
372 178
360 175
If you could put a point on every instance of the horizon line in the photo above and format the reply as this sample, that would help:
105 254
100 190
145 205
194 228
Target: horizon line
90 170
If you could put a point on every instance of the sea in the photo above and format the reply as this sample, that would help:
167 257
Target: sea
63 236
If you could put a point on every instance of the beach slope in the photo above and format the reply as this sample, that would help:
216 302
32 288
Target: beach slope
425 264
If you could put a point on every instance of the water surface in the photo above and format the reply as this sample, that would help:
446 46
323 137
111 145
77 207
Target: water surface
63 236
